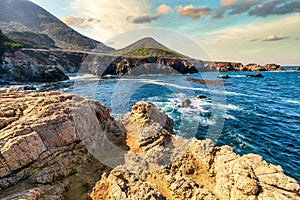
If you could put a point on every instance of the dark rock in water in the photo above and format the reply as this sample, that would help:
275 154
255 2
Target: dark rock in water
208 82
29 87
223 76
186 103
55 74
258 75
201 96
271 85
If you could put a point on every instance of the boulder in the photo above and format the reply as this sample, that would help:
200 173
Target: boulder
42 155
186 103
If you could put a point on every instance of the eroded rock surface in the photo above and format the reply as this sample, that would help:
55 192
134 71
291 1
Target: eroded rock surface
42 155
43 146
188 169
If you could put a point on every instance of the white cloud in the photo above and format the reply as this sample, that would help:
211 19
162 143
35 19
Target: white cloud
163 9
111 14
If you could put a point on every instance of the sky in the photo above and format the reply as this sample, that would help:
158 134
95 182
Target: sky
247 31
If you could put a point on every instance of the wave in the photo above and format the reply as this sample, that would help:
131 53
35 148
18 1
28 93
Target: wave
291 101
182 87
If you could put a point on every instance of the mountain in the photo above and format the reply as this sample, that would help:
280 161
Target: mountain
149 47
28 24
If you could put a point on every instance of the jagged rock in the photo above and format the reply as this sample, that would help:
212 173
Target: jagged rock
43 156
21 66
41 147
200 171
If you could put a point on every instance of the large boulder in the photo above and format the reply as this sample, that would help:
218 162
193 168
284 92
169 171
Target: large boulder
42 155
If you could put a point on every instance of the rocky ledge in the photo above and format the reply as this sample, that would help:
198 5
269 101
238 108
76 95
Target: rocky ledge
43 156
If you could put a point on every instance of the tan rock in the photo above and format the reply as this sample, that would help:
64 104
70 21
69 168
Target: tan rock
41 147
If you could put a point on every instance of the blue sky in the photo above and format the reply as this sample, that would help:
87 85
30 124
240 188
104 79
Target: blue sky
229 30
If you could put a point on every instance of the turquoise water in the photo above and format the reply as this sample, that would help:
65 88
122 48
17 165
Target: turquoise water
253 115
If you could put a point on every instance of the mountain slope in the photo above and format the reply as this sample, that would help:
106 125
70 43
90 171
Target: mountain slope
25 16
7 44
149 47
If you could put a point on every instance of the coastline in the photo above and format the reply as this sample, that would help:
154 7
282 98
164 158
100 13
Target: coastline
43 129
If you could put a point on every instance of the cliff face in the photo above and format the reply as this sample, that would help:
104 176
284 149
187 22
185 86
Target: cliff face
42 156
135 66
39 65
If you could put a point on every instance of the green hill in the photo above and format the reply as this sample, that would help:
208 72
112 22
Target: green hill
148 47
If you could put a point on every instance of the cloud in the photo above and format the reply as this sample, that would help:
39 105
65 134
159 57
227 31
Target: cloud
146 18
242 6
274 38
112 15
194 12
276 7
163 9
261 8
218 14
142 19
227 3
76 21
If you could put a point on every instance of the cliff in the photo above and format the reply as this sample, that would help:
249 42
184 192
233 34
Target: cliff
43 156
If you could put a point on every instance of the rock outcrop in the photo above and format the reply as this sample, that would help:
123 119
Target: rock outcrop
43 155
39 65
239 67
135 66
199 171
41 152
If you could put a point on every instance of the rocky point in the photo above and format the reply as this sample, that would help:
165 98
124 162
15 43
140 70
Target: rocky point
44 156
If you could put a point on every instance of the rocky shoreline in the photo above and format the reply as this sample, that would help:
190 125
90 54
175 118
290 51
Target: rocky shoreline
38 65
43 156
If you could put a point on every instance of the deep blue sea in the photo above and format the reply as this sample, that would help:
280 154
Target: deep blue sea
253 115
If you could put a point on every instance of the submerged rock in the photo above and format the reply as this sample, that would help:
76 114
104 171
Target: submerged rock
258 75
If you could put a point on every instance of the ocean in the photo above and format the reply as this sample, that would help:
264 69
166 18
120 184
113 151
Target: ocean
252 115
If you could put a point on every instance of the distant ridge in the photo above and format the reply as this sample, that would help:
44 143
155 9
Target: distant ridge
149 47
19 16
